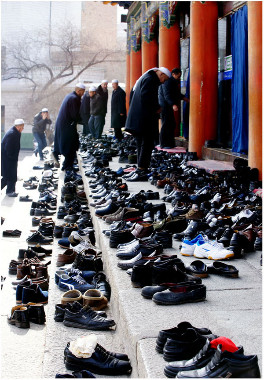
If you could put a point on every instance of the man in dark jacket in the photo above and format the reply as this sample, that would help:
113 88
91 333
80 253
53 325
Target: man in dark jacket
66 140
103 92
97 113
169 99
10 148
142 114
85 112
118 109
41 120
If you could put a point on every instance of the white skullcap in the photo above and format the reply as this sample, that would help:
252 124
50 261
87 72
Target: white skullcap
80 85
114 81
165 71
92 88
19 121
104 81
44 110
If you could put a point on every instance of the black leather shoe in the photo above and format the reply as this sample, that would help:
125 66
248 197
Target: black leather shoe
171 270
226 364
101 362
36 313
179 294
176 332
19 317
100 283
76 374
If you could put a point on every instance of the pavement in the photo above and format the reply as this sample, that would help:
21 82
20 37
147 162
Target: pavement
233 307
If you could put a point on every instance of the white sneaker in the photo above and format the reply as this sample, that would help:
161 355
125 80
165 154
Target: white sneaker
243 214
211 250
82 246
188 246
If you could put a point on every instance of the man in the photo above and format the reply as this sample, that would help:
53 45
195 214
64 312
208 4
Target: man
66 140
10 147
142 115
169 99
85 112
103 92
41 120
97 113
118 109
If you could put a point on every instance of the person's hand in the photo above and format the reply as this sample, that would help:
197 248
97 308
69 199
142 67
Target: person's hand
174 107
121 114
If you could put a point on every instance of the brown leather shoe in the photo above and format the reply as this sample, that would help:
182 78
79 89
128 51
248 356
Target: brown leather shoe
66 258
142 230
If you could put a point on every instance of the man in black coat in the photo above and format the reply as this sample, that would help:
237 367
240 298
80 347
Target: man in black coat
118 109
66 140
103 92
169 99
85 112
142 114
10 148
96 121
41 120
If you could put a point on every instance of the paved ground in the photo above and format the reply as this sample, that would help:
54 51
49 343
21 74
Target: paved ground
233 307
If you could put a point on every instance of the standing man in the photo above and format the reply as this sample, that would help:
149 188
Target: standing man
10 148
85 112
41 120
169 99
142 116
118 109
97 113
103 92
66 140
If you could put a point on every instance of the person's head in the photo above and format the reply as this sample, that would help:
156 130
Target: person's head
163 74
92 91
19 124
104 85
114 84
45 111
176 73
79 89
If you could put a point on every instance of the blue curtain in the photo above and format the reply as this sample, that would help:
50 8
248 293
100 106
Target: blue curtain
186 106
239 48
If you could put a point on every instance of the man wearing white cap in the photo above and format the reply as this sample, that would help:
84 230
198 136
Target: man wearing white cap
103 92
96 121
10 148
66 139
142 115
40 122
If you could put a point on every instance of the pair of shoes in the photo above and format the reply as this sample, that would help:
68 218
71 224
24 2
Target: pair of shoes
38 238
101 362
12 233
84 317
22 315
92 298
31 293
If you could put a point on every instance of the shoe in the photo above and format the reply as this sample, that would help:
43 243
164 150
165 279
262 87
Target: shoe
12 233
222 269
171 270
38 238
76 374
226 364
35 294
67 257
67 282
19 317
94 299
179 294
211 250
71 296
86 318
36 313
101 362
25 198
197 268
12 195
176 332
188 246
100 283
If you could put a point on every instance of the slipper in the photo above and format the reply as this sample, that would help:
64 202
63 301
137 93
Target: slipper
222 269
31 186
12 233
25 198
198 269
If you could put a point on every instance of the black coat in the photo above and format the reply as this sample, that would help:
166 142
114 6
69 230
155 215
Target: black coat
10 147
118 106
142 114
170 93
104 96
40 124
85 108
66 138
96 105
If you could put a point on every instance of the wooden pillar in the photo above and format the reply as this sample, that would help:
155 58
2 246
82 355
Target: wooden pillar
255 85
149 55
169 46
135 66
127 80
203 74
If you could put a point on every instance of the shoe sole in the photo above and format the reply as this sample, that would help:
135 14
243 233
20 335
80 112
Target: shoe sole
98 371
178 303
221 258
81 326
186 254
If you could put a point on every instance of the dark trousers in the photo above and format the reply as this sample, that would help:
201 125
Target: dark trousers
168 126
118 134
10 185
86 129
42 143
68 161
96 125
145 145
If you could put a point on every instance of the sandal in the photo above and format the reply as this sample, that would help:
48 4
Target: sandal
222 269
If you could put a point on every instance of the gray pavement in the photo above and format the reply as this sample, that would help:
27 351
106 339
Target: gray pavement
233 307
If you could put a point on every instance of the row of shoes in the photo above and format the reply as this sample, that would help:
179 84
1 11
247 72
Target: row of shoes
198 353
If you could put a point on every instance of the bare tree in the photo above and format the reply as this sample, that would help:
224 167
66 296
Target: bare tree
49 62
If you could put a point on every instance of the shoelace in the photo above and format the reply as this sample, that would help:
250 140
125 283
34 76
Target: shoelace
79 280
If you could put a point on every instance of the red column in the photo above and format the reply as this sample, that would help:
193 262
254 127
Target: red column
127 80
203 74
149 54
169 46
135 66
255 85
